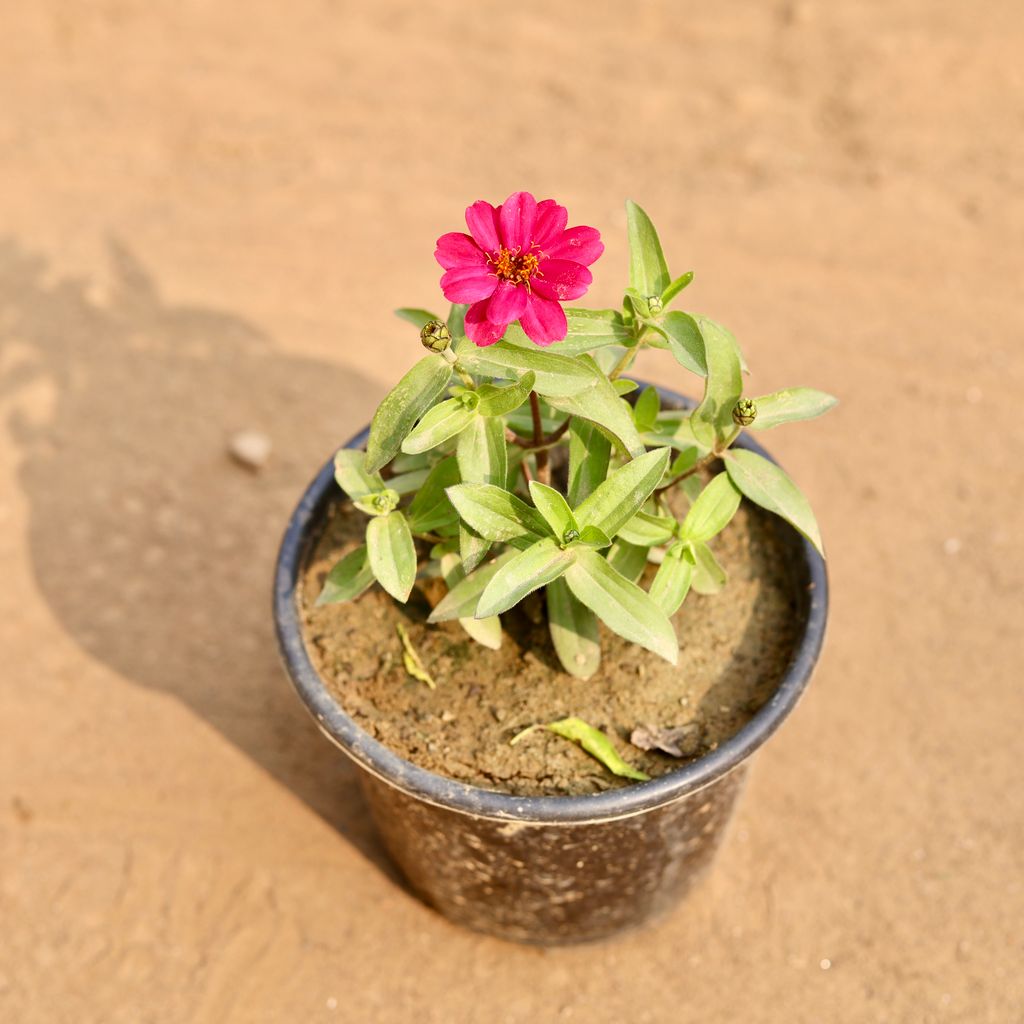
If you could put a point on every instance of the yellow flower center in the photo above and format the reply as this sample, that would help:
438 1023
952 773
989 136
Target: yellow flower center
514 265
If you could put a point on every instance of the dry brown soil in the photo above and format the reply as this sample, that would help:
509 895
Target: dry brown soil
206 212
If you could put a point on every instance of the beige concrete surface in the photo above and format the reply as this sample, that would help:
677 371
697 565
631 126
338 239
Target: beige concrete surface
207 211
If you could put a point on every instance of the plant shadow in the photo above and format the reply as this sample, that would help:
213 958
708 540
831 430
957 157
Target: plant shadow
153 548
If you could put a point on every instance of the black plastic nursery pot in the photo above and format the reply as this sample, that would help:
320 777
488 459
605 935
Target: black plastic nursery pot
546 869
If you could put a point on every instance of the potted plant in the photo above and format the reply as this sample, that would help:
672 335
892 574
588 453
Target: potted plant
481 597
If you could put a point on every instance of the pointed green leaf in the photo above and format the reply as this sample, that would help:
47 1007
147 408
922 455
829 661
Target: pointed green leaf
462 599
646 410
574 631
597 745
712 420
648 272
627 559
472 547
482 452
621 605
496 514
588 331
417 317
431 507
457 321
348 579
408 483
414 394
495 401
484 631
350 472
672 581
684 340
767 485
439 424
589 454
624 386
554 508
392 554
708 576
676 287
790 405
623 493
556 376
535 567
592 537
648 530
710 513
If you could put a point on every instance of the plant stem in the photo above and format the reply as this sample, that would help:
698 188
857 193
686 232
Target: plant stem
543 466
715 453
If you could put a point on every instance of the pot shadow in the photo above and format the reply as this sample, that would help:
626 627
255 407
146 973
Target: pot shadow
154 550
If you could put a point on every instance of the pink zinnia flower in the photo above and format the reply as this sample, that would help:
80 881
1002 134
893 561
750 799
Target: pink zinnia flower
519 262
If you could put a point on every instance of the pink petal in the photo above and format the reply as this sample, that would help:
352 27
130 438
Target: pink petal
458 249
561 279
543 321
516 218
479 329
550 222
507 303
468 284
580 244
482 221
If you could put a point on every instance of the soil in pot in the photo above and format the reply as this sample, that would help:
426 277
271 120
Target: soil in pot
734 648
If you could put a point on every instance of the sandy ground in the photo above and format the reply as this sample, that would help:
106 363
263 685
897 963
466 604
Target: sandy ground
206 212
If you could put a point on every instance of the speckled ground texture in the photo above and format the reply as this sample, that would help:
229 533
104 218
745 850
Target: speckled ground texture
207 211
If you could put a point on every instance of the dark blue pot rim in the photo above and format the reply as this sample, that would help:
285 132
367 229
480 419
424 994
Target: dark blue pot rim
440 791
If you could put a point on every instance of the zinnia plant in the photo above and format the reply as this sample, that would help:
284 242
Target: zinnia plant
518 456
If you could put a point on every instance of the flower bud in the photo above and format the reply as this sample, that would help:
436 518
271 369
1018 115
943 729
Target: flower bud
744 412
435 336
654 303
570 535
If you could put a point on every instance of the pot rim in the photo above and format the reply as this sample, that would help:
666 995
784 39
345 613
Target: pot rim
385 764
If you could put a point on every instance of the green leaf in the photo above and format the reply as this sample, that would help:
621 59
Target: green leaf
790 405
482 452
646 410
629 560
417 317
535 567
602 406
684 340
348 579
614 502
556 376
767 485
472 547
496 514
588 331
457 321
464 595
621 605
711 512
712 420
592 537
624 386
589 454
648 530
414 394
648 272
350 472
640 304
486 632
554 508
708 575
574 631
442 422
392 554
672 581
431 508
597 745
408 483
676 287
495 401
379 504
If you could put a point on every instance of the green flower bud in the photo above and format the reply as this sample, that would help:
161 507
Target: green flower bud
654 303
435 336
570 535
744 412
